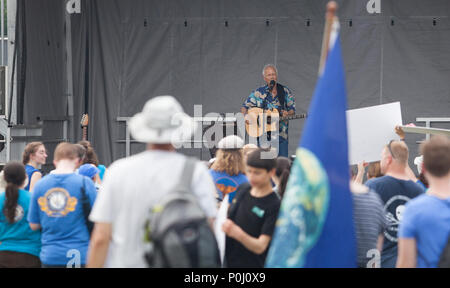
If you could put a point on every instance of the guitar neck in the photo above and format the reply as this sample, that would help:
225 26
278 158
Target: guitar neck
84 136
298 116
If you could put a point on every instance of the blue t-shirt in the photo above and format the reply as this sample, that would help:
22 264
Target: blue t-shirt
395 194
29 170
57 206
427 220
102 169
18 236
226 184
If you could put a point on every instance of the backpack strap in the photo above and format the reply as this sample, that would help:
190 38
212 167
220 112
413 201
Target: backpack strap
184 184
240 193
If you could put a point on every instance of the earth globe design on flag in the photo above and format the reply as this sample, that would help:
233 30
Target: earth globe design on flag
303 210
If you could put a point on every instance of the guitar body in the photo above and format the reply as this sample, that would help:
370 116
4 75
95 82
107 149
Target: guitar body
261 121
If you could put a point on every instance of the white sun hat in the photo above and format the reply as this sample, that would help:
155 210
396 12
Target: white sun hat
231 142
162 121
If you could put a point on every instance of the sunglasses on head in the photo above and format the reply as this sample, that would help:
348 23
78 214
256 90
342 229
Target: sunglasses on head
390 149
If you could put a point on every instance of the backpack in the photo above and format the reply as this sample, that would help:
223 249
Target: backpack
177 232
86 205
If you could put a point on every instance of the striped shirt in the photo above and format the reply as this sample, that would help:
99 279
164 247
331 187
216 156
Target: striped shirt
368 213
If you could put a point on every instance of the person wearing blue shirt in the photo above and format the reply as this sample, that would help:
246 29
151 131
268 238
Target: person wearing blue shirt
425 228
228 169
33 156
19 245
57 208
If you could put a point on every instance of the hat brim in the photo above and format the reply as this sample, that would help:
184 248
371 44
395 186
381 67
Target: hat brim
183 132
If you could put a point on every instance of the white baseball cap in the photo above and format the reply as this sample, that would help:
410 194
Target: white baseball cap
231 142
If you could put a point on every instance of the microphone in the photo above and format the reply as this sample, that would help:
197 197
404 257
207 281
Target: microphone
271 85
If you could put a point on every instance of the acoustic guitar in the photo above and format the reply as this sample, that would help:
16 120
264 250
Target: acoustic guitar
261 121
84 125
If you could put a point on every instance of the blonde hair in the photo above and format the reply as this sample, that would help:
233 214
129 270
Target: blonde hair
66 151
400 150
374 170
230 161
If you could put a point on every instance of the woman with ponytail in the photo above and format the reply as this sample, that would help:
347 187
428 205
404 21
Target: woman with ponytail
91 158
281 176
19 245
33 157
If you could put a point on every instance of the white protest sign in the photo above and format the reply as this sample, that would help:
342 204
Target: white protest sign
370 129
220 219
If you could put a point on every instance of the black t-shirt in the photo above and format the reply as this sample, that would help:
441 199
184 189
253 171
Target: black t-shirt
394 193
256 216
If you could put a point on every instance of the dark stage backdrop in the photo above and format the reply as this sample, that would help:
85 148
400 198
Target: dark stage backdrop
211 52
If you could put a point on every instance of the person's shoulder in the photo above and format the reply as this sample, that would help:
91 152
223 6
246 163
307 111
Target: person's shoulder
286 89
45 181
258 92
242 177
419 202
374 196
242 189
274 199
24 193
415 187
380 180
123 164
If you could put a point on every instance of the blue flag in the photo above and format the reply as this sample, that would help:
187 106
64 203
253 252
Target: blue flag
315 225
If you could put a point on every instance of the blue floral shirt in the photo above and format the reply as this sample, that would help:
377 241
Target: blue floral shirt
257 97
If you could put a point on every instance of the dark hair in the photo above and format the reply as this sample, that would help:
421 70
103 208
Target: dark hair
424 180
29 150
436 156
283 170
14 174
90 157
254 160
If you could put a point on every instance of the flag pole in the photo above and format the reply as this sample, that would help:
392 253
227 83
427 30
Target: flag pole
329 18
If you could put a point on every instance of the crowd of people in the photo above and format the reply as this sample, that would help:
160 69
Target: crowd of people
400 219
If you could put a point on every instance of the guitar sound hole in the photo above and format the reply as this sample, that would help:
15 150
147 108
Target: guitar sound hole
269 119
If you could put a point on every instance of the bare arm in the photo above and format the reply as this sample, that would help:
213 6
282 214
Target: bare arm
99 244
380 242
255 245
361 170
407 253
35 227
34 179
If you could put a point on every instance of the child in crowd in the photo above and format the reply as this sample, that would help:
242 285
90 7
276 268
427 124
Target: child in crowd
228 168
252 215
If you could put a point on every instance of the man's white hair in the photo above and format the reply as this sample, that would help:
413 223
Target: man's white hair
267 66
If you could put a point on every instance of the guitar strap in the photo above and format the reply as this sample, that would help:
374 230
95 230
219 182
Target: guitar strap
281 96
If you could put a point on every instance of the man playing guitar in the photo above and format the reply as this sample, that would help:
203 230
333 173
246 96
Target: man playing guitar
273 96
